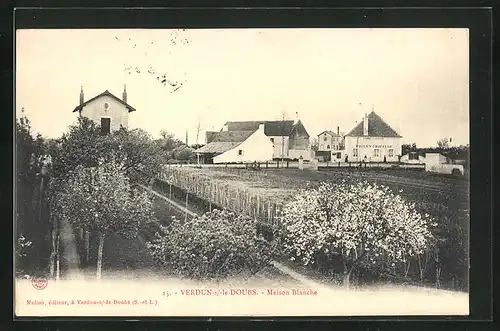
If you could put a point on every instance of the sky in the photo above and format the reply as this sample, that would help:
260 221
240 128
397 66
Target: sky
417 80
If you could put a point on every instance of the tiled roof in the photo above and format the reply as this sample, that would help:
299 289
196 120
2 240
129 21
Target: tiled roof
224 141
376 128
232 136
105 93
331 133
218 147
271 128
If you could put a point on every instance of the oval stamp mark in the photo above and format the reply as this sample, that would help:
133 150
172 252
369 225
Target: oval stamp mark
39 283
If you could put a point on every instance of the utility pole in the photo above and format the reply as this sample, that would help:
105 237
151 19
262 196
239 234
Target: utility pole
282 137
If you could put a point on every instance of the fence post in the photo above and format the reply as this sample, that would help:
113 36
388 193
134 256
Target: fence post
187 198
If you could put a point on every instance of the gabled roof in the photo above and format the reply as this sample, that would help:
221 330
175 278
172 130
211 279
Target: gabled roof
232 136
105 93
271 128
331 133
218 147
376 128
224 141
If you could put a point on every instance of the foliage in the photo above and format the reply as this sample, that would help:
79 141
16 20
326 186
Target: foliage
140 155
23 249
216 245
443 143
101 199
84 146
353 223
314 144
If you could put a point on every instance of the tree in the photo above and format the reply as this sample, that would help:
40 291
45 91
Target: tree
351 224
213 246
100 199
83 146
140 155
314 144
443 143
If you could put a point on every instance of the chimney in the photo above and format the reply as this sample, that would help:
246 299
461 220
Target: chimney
124 93
365 125
261 127
81 95
186 138
338 131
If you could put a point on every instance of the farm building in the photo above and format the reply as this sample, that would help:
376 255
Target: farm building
106 110
372 140
287 139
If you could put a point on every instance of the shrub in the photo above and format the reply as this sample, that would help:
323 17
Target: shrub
216 245
353 223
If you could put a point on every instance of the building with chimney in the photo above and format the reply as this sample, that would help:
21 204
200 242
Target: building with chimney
242 141
330 141
372 140
108 111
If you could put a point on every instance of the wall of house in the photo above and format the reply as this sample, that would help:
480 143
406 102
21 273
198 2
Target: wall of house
327 142
281 144
118 113
257 148
299 139
368 145
297 153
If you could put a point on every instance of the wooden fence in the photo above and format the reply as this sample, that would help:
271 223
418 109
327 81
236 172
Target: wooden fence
295 165
225 194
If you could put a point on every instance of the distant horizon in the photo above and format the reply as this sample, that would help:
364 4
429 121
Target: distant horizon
415 79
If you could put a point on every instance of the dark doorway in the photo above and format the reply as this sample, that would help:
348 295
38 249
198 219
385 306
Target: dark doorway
105 125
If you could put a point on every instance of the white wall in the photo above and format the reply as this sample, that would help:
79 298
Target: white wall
367 145
323 144
297 153
118 113
278 143
257 148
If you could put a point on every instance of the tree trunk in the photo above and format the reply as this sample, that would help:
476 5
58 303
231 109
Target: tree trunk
99 255
58 255
52 258
87 246
347 278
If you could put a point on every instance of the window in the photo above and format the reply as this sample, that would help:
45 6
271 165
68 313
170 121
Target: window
272 140
240 152
339 155
321 147
391 153
376 152
355 152
105 125
327 146
324 137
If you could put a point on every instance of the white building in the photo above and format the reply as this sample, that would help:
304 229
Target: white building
289 141
372 140
106 110
256 148
329 141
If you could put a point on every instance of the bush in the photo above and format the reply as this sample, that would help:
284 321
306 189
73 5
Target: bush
216 245
349 224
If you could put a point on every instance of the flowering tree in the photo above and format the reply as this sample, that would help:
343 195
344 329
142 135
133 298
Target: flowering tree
354 223
141 156
100 199
216 245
